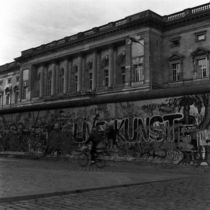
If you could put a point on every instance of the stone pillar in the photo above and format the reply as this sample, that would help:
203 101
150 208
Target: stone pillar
53 69
83 74
115 72
69 74
79 73
111 68
99 74
94 69
41 93
128 62
20 84
56 78
65 85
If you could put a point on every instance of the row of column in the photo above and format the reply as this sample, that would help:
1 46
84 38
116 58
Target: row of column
80 61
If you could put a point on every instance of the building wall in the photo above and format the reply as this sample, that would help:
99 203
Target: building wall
188 45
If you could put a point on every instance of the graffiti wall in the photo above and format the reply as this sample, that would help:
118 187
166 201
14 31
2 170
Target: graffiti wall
138 128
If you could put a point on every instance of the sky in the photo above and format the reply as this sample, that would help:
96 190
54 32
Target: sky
26 24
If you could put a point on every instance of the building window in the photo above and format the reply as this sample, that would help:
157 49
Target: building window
121 66
138 69
105 66
90 80
49 82
24 93
123 74
9 81
89 74
176 72
200 36
201 63
106 77
8 99
1 99
175 42
176 68
25 83
16 96
201 68
76 78
76 81
61 81
17 78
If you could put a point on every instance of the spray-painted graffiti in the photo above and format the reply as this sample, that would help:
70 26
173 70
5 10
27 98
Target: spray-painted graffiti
152 127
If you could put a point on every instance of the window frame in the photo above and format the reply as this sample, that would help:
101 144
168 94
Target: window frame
198 34
197 69
138 69
200 54
175 42
176 59
176 77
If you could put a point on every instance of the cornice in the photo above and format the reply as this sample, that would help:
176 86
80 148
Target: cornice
143 19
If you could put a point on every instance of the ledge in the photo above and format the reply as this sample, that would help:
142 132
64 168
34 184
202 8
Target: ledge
109 98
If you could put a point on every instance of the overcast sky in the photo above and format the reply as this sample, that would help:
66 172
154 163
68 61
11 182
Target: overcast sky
29 23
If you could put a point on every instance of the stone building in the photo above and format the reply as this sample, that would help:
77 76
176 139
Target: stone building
144 66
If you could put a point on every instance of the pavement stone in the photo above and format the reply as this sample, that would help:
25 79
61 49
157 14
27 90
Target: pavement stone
122 185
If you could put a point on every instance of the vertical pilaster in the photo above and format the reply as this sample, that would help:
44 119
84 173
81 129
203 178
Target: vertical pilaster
94 69
20 84
41 93
111 68
128 62
65 85
31 81
99 74
70 81
115 75
83 86
56 78
79 73
53 67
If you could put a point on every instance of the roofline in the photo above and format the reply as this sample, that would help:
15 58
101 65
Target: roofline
142 19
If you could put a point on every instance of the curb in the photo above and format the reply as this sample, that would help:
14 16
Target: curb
45 195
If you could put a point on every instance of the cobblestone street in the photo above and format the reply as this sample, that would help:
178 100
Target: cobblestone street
64 185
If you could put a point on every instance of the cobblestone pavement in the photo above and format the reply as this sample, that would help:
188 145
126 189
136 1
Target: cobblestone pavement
183 194
52 185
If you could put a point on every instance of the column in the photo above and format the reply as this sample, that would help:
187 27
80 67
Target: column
41 87
99 80
128 62
83 74
20 85
69 81
56 78
65 67
53 67
115 72
79 73
111 69
94 69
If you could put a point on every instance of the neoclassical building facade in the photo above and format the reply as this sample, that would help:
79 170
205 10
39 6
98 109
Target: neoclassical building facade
140 72
141 52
